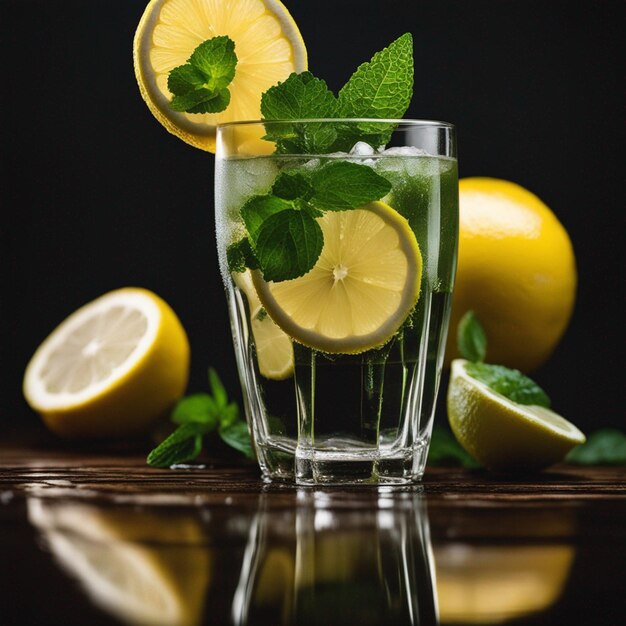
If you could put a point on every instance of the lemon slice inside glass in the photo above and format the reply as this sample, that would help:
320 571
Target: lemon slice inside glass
362 288
502 434
274 348
268 46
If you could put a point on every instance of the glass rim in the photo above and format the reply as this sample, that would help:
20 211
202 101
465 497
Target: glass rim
368 120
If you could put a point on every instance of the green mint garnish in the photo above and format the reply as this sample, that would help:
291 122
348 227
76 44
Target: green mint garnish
381 88
197 416
201 85
342 185
284 240
288 244
511 383
236 436
471 338
444 449
604 447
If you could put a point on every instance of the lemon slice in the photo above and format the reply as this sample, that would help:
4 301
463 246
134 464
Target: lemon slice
111 368
363 286
502 434
274 348
268 46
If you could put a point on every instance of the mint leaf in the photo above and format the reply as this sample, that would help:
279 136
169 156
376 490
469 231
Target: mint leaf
288 244
256 210
200 85
342 185
300 96
184 444
216 60
383 87
198 407
510 383
240 255
444 449
219 393
291 186
237 436
604 447
471 338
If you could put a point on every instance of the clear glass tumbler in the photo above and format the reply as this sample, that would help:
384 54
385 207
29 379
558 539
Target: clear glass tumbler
339 266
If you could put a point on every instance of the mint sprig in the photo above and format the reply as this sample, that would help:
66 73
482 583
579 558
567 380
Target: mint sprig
380 88
511 383
198 415
606 446
284 239
201 84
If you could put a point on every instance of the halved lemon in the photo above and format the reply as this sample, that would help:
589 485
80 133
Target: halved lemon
362 288
502 434
268 46
111 368
274 348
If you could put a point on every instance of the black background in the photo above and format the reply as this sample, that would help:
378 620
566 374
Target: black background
96 195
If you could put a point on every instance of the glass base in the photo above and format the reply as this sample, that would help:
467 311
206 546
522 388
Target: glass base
345 466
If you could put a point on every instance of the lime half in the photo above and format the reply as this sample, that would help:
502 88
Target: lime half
502 434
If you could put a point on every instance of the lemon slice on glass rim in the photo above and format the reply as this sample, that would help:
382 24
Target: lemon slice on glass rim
361 289
268 46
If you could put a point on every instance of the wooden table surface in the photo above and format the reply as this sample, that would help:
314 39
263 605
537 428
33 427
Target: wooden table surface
97 537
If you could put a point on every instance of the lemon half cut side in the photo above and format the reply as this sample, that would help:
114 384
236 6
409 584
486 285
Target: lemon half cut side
111 368
502 434
268 46
361 289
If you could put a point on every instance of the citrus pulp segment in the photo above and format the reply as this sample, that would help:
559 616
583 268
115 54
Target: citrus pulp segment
268 46
502 434
274 348
110 368
361 289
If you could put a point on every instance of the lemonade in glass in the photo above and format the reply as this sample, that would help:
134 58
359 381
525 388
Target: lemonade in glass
339 270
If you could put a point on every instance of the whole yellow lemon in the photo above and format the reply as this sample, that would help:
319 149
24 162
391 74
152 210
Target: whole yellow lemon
516 271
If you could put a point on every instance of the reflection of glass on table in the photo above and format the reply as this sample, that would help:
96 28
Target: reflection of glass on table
320 564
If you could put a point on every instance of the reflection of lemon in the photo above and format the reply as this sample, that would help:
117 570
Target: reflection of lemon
111 368
274 349
161 582
502 434
360 291
268 46
516 271
490 585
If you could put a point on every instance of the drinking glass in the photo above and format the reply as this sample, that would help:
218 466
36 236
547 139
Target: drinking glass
325 403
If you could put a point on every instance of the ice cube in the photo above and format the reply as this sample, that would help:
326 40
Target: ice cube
403 151
360 148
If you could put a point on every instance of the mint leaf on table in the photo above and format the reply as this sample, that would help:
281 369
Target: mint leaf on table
198 415
444 449
184 444
198 407
603 447
288 244
471 338
343 185
300 96
510 383
201 84
237 436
